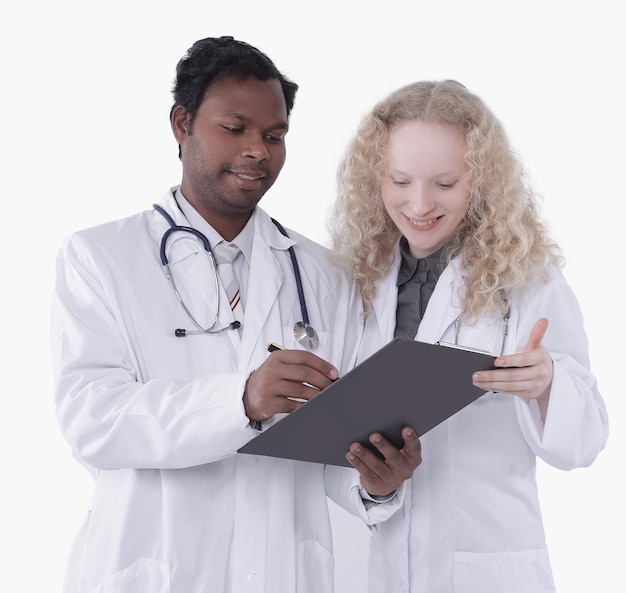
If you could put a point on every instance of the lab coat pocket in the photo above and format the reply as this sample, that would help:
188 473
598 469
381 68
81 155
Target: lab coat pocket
315 568
143 575
516 572
328 347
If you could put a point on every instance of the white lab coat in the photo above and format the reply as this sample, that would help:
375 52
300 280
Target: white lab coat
157 419
471 521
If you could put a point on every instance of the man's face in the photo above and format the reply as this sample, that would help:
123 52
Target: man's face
234 151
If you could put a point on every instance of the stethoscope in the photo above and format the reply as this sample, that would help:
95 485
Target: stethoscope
505 331
302 330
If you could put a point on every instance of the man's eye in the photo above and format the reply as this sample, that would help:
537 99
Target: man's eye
275 139
233 130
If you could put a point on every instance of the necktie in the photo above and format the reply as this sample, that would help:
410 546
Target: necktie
225 253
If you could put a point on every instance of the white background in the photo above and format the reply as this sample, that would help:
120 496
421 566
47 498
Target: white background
86 138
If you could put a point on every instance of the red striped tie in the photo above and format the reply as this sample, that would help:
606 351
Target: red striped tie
225 253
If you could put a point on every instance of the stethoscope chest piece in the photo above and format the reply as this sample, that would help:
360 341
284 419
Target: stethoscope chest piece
306 335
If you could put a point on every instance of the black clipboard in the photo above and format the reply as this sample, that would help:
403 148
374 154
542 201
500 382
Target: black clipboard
405 383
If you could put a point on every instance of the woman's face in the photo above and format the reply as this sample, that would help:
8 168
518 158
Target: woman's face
425 188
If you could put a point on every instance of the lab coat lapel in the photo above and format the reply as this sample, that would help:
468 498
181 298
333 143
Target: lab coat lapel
386 301
267 275
443 308
190 267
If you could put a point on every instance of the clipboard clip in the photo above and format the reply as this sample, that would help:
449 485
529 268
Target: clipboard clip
466 348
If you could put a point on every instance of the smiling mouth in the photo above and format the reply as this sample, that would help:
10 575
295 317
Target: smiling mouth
248 180
420 223
250 176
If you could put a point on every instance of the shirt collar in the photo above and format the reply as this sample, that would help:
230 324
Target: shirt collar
434 263
243 240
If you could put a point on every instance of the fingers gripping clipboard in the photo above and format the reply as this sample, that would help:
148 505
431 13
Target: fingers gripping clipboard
405 383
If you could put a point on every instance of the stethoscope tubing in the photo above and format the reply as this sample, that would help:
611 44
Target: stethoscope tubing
296 272
165 262
309 338
505 321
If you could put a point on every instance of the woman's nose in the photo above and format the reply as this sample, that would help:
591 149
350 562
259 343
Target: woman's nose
421 202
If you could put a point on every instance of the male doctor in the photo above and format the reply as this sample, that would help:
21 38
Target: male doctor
158 418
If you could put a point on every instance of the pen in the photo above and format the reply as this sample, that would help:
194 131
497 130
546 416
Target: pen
273 346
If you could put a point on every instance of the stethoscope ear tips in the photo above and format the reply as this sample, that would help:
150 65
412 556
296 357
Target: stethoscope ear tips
306 335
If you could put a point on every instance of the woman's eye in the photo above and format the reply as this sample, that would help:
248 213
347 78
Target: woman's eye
446 185
400 182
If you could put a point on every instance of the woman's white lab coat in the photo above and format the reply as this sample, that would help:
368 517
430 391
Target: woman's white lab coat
471 521
157 419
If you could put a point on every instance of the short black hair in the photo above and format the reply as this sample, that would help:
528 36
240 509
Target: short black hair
215 58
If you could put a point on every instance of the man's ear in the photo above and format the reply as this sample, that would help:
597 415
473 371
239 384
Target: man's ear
180 122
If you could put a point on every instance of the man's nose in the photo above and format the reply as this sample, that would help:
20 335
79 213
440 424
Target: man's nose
256 148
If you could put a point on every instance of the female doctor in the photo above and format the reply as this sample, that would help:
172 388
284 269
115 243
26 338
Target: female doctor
441 231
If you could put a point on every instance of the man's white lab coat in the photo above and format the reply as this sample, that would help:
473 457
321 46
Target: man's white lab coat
157 419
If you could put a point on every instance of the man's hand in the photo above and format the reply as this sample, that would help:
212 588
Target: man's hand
286 380
381 477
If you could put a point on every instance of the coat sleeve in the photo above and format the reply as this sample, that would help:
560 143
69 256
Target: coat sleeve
343 486
109 417
576 425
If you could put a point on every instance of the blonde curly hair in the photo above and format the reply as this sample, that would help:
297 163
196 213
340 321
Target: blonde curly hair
501 242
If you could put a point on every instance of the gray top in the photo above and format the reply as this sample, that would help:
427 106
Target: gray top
416 282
